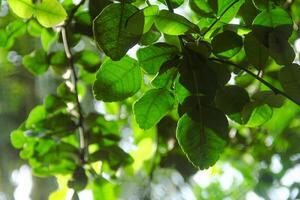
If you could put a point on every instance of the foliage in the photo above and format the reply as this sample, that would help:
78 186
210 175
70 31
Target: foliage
195 78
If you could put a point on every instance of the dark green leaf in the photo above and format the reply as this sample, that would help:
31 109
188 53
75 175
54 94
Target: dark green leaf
110 30
257 53
201 145
226 44
269 98
290 81
231 99
79 179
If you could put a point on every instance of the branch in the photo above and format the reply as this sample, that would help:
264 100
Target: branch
73 11
83 142
82 139
257 77
170 7
219 17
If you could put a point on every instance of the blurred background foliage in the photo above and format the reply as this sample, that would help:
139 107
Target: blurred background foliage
259 163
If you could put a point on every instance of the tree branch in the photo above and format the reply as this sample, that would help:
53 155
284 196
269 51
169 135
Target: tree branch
257 77
219 17
72 12
170 7
82 139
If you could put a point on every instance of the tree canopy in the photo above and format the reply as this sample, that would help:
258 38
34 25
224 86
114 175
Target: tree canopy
139 86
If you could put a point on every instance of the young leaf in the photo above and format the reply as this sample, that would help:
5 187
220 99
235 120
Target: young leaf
48 12
226 44
117 80
22 8
201 145
110 30
289 79
152 57
173 24
152 107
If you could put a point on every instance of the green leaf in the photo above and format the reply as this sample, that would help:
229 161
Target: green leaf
152 107
257 53
273 18
89 60
200 47
34 28
18 139
231 99
110 30
174 3
226 44
36 115
79 179
262 4
199 108
22 8
150 37
48 37
142 21
202 8
201 145
152 57
197 76
48 12
96 6
117 80
289 79
255 114
36 62
167 74
231 7
174 24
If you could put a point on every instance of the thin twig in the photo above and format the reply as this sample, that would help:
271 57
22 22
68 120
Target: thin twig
64 34
274 89
73 11
83 142
170 7
219 17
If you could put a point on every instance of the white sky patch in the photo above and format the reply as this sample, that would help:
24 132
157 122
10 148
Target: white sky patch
276 165
253 196
297 45
203 178
227 178
281 193
236 21
86 195
291 176
22 178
